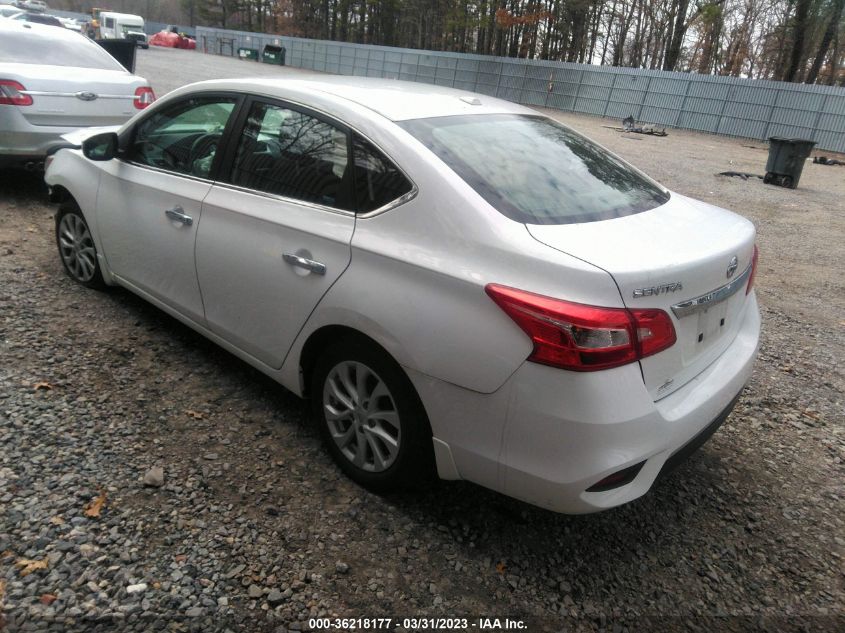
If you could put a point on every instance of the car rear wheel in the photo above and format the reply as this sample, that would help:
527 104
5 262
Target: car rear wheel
370 417
76 247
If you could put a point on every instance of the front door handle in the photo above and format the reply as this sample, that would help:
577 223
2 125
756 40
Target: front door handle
177 214
318 268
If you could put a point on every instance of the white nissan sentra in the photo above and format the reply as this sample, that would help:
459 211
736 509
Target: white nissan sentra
456 282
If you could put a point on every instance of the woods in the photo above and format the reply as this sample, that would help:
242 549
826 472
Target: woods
784 40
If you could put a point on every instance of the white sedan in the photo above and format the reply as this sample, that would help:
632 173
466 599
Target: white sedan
54 81
459 284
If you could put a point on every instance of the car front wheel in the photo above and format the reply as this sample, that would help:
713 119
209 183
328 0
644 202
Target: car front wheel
371 418
76 247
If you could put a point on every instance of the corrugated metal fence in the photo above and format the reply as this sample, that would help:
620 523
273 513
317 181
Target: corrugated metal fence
721 105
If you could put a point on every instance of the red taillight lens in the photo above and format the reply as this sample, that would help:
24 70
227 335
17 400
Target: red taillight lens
144 96
753 270
12 93
581 337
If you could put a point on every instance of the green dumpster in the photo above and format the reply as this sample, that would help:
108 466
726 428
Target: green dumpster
786 160
273 54
248 53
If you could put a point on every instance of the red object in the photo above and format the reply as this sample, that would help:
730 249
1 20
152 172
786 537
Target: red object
582 337
144 96
753 270
11 93
172 40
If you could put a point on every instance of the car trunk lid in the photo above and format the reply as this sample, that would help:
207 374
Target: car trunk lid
78 97
685 257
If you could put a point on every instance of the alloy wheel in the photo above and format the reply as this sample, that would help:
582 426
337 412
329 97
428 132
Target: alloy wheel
362 416
76 247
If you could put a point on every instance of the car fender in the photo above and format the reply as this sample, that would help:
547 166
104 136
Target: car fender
71 171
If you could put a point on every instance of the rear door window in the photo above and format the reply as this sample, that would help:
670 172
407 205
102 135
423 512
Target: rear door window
378 181
293 154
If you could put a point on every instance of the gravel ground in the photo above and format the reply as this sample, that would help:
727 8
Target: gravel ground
254 529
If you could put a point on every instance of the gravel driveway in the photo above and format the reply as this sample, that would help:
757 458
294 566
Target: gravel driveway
255 529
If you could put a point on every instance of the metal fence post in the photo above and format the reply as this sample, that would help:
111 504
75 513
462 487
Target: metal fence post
819 117
683 102
771 113
645 96
722 111
610 94
578 90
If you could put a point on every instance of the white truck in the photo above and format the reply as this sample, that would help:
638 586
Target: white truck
122 26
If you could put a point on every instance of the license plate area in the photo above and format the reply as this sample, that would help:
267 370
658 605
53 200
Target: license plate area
712 323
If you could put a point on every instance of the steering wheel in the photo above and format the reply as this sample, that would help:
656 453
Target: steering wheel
163 155
204 146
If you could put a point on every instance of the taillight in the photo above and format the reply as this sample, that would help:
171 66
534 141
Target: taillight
144 96
582 337
753 270
12 93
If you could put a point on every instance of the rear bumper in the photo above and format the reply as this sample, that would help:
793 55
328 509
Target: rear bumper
20 141
563 432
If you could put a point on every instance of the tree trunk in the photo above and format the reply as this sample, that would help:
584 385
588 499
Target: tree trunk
679 29
827 38
799 33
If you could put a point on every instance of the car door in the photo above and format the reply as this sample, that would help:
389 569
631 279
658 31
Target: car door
277 234
150 201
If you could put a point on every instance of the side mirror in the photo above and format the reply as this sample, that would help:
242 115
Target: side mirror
100 146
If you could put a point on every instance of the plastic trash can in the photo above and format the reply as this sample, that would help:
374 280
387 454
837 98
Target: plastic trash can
786 160
248 53
273 54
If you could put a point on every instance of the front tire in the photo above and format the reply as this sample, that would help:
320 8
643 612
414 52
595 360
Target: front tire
370 417
76 247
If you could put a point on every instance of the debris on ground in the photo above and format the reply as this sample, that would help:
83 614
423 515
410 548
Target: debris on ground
824 160
629 124
739 174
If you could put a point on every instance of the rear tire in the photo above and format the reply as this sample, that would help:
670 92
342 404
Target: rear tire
76 247
370 417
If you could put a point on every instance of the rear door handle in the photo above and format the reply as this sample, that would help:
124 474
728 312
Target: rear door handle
177 214
318 268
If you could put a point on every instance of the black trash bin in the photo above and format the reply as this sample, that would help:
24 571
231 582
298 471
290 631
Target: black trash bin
273 54
122 50
786 160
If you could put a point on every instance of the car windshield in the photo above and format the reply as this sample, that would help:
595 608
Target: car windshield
537 171
35 47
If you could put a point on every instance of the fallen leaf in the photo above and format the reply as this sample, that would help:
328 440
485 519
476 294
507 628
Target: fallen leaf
28 566
500 567
42 385
2 589
57 520
156 585
48 598
95 506
180 558
196 415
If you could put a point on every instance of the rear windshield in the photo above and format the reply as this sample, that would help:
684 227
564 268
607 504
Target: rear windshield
69 49
537 171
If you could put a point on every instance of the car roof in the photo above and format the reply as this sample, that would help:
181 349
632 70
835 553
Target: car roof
394 99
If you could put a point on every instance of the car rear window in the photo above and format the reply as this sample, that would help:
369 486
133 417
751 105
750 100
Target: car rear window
535 170
69 49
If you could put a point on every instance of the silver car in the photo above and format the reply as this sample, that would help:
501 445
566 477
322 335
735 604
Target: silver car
54 81
456 282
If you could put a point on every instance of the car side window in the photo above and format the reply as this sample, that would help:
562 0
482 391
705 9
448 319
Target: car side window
184 137
377 180
109 23
292 154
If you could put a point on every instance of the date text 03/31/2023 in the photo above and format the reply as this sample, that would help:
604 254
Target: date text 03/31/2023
417 624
